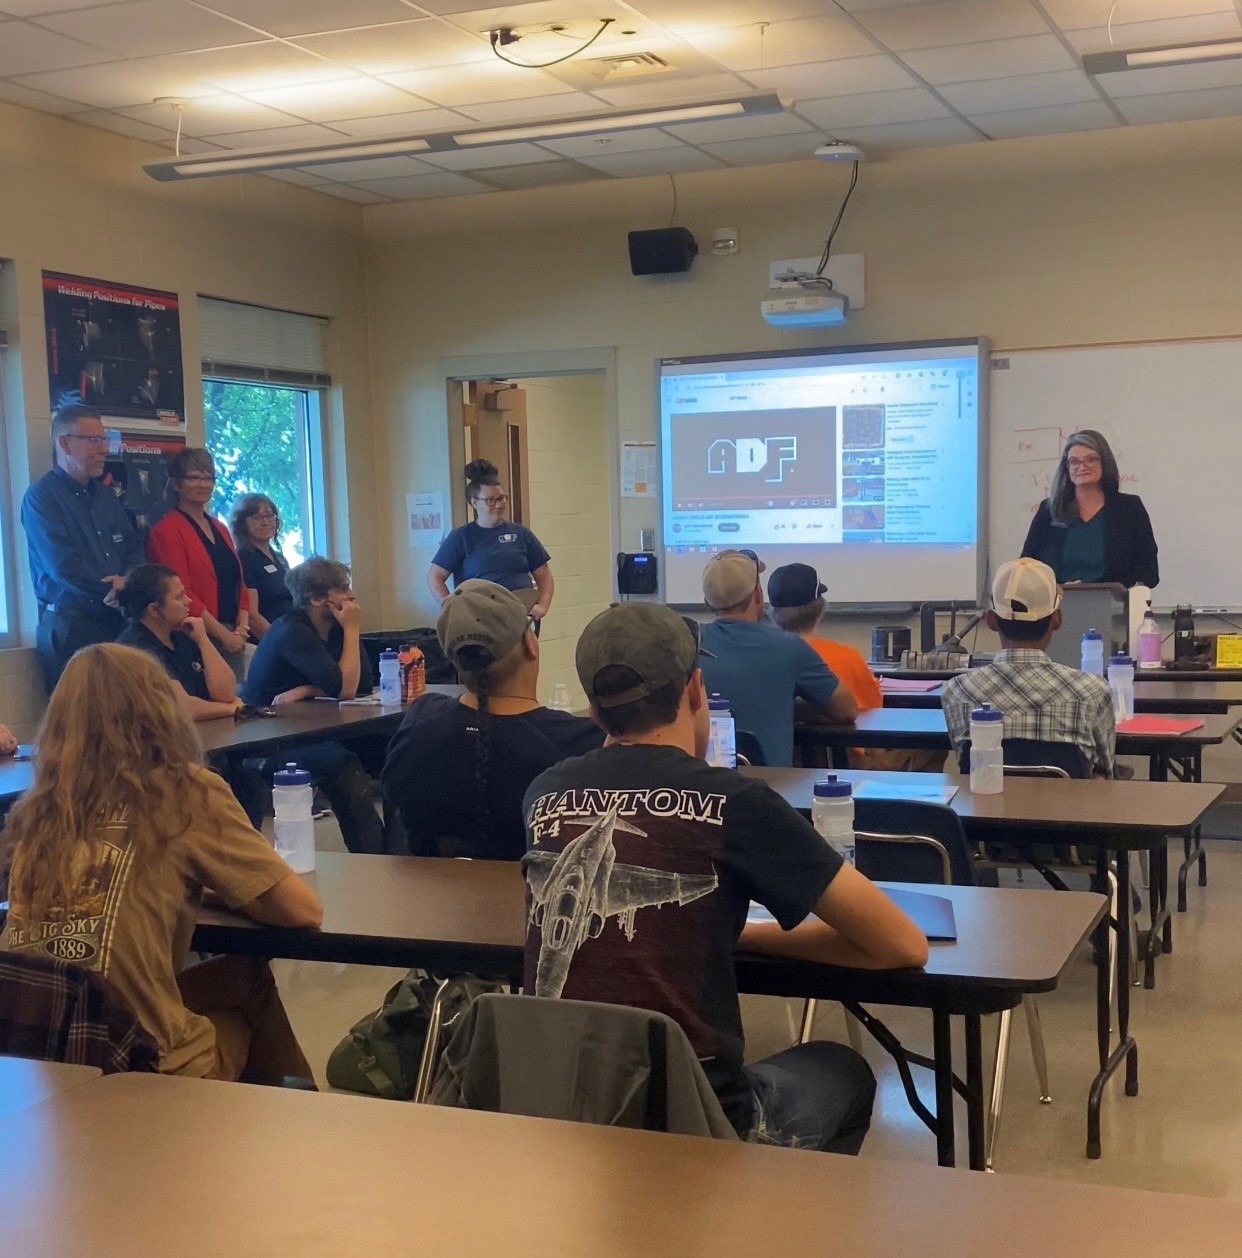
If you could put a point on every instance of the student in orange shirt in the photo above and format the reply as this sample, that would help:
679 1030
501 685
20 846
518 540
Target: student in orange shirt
796 597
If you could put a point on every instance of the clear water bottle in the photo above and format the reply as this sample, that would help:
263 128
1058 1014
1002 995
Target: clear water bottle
295 827
1121 683
1093 652
832 814
721 734
1149 640
561 702
987 756
390 678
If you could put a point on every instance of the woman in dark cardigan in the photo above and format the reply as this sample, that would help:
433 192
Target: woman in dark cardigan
1087 530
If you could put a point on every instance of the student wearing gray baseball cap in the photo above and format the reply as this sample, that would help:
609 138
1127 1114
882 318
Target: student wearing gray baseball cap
757 667
457 768
641 865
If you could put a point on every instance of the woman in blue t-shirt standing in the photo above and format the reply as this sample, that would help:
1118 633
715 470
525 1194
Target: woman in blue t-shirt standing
492 548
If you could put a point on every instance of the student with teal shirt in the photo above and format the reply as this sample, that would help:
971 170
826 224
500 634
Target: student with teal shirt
1087 530
759 668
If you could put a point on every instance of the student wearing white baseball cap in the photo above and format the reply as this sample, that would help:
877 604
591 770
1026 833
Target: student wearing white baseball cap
1037 697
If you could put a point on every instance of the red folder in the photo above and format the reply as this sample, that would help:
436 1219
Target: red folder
1159 725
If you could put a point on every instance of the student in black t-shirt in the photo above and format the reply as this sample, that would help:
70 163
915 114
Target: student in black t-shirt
458 768
642 864
157 608
315 651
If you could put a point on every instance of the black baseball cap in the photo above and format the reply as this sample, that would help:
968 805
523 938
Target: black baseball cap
794 585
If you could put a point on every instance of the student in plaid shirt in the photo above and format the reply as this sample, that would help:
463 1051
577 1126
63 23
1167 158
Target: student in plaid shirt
1038 698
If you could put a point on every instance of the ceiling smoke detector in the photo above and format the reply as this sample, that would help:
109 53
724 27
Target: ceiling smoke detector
839 151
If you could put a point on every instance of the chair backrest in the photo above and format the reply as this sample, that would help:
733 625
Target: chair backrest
911 841
53 1011
579 1061
1036 757
750 747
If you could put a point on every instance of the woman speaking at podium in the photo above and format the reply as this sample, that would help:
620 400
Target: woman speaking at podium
1087 530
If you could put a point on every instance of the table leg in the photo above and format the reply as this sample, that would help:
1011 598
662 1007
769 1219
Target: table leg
1167 931
942 1050
976 1127
1160 937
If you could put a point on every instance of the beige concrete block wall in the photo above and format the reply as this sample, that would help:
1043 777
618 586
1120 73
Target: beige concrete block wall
570 512
75 199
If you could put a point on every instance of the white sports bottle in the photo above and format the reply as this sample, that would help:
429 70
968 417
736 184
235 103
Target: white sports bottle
1121 683
295 827
832 814
987 756
390 678
721 734
1093 652
1149 641
561 702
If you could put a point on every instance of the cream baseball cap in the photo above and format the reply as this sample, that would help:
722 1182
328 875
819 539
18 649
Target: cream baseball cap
730 577
1025 589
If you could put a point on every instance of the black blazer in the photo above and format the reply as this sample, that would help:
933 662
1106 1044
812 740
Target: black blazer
1129 544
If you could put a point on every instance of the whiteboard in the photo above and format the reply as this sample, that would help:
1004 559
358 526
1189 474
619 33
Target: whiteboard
1172 412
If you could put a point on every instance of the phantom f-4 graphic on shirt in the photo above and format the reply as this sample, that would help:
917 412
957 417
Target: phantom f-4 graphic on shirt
82 933
575 892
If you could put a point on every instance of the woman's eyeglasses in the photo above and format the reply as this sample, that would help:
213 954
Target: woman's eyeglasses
265 516
494 501
198 478
1078 465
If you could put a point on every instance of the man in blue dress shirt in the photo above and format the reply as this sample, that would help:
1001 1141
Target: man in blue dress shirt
81 542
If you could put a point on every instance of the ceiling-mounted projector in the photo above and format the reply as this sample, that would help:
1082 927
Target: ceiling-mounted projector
819 308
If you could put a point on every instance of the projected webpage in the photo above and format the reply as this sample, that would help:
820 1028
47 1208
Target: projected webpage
827 453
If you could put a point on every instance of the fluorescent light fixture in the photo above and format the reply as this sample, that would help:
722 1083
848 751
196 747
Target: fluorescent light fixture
284 157
1112 60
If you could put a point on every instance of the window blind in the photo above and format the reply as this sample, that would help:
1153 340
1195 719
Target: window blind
258 343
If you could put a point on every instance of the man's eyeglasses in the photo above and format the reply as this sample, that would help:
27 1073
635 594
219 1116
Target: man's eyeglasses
496 500
91 440
1077 465
696 632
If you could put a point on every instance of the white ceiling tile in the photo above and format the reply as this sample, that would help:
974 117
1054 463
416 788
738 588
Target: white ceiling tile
1083 116
300 17
686 16
26 49
370 168
534 108
149 28
1072 15
873 109
1021 91
478 82
249 68
399 46
1185 78
654 162
1144 34
16 94
635 141
115 84
269 138
785 43
952 22
106 120
422 186
776 148
35 8
540 175
419 122
912 135
347 192
721 129
992 59
584 14
212 115
833 78
661 92
862 6
192 144
299 177
343 98
1217 102
491 155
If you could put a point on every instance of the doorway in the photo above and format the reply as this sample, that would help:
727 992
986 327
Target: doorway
548 435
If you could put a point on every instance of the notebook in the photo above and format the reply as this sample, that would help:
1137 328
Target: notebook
932 914
1159 725
922 792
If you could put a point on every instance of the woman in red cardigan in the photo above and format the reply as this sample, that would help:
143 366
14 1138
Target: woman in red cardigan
198 548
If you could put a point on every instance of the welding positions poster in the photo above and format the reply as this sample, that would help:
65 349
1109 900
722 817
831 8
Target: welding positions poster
116 348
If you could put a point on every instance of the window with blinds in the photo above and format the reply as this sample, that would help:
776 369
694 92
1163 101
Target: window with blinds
243 342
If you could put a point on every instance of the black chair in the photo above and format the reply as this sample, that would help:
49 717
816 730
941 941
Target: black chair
1035 757
749 749
913 841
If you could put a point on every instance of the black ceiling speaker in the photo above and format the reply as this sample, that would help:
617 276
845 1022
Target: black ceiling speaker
662 251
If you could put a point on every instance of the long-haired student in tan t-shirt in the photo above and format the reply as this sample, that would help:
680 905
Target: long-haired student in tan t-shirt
113 846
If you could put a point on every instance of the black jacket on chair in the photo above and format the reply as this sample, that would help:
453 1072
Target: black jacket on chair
1129 544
